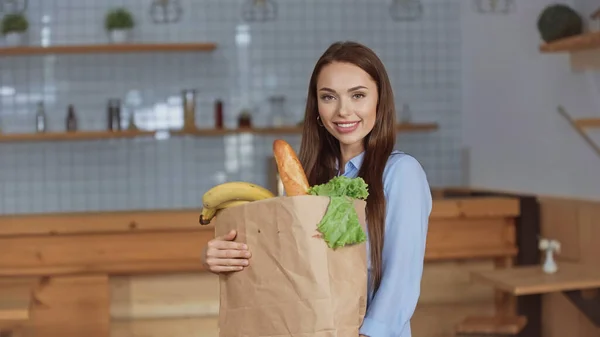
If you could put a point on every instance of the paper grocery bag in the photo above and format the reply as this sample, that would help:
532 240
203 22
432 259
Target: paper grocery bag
295 285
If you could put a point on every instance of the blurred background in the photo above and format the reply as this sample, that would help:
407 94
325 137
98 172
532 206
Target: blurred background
117 115
258 58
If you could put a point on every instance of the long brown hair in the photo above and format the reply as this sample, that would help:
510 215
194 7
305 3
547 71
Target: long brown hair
319 150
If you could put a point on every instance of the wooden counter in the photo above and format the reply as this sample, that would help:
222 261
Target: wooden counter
571 279
74 256
532 280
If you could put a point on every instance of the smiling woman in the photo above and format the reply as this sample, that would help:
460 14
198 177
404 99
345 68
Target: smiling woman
349 130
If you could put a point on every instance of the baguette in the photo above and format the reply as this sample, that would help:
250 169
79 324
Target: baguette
290 170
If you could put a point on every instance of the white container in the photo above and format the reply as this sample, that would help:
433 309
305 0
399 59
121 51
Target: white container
13 39
119 35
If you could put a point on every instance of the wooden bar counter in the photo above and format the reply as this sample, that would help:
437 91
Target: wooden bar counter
72 257
571 279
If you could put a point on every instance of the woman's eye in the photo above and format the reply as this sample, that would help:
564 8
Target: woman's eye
358 96
326 97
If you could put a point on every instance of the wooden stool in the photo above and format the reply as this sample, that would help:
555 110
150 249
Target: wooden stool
491 326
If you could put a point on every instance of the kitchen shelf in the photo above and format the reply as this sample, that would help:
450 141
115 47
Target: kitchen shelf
67 136
585 41
99 135
583 50
107 48
579 125
588 122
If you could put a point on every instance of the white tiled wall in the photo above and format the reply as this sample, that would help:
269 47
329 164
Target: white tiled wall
252 62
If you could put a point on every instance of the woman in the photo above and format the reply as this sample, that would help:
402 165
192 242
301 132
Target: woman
349 129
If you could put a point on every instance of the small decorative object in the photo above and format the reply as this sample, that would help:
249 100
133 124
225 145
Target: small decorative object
595 18
550 247
245 119
119 23
559 21
14 27
494 6
166 11
406 10
259 10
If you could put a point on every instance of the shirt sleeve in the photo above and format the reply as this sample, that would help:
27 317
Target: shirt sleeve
409 204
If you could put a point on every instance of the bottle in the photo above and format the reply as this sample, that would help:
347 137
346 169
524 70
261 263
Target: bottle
132 126
405 114
219 114
245 119
114 114
40 118
189 109
71 119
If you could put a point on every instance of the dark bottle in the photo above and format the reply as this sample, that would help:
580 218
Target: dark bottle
245 119
219 114
114 114
71 119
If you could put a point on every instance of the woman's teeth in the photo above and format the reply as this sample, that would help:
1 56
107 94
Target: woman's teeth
346 125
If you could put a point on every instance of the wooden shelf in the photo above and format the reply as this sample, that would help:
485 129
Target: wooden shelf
588 122
96 135
107 48
66 136
585 41
579 125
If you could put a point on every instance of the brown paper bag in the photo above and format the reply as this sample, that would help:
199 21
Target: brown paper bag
295 284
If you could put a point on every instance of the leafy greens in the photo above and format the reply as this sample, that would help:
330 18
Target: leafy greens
340 225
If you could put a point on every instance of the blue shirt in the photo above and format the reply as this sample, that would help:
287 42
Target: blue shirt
408 199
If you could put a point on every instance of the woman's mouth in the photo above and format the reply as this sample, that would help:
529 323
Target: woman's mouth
345 127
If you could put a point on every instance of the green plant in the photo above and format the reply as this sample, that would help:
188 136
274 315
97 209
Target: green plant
558 21
14 23
119 18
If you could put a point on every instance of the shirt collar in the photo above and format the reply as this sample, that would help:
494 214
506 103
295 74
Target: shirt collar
354 163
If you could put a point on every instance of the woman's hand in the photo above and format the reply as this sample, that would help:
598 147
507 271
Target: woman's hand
222 255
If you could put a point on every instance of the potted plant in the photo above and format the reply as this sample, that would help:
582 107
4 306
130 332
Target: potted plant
119 23
14 27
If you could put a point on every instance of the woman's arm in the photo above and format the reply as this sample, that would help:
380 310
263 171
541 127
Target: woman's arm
409 203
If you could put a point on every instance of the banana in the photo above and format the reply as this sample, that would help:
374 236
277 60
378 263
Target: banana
208 214
234 190
230 194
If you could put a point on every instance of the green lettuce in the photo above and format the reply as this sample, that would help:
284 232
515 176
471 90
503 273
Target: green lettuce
340 225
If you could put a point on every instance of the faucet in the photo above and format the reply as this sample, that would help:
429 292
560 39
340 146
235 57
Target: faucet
550 247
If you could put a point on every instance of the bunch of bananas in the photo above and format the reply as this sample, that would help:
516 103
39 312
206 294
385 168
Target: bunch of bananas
230 194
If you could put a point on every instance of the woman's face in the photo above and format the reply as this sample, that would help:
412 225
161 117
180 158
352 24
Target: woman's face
347 102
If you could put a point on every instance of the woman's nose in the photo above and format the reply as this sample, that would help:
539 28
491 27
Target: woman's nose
344 108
